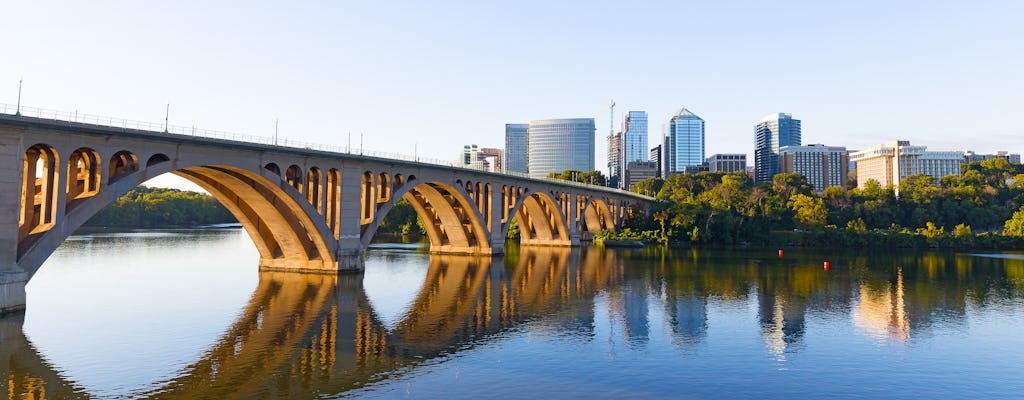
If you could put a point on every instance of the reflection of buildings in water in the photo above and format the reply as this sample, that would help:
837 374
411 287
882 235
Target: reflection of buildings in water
882 312
303 334
688 318
782 318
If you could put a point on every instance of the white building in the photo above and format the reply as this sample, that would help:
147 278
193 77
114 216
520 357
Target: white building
891 162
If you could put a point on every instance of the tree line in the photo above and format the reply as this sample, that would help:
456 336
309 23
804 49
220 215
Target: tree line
145 207
982 207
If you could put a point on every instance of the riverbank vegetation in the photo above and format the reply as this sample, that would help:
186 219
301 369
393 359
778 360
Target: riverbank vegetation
981 208
145 207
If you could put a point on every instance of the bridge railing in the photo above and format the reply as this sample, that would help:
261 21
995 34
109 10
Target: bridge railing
108 122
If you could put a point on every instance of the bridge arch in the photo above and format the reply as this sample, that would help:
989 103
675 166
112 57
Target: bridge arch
451 219
597 216
276 217
540 220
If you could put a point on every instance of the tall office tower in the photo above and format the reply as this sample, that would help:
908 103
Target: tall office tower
771 133
891 162
727 162
555 145
823 166
615 164
515 147
655 157
684 142
634 140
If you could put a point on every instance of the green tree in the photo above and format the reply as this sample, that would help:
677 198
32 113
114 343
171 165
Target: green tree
808 211
1014 226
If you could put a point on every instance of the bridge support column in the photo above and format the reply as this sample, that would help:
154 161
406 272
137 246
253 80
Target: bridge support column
494 232
350 253
572 222
12 292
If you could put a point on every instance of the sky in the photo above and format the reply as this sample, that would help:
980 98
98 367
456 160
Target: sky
431 77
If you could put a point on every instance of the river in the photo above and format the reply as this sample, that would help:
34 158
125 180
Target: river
185 314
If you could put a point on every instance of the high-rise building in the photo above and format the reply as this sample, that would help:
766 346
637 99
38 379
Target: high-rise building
684 142
515 147
555 145
771 133
727 162
492 157
891 162
655 156
637 171
634 137
823 166
615 159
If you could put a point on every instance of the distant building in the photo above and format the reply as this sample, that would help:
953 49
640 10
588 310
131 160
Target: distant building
655 156
615 165
484 159
891 162
970 156
853 165
823 166
693 169
555 145
684 142
637 171
727 162
515 148
771 133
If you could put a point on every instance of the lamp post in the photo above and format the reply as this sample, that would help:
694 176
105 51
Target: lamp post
275 131
167 116
18 111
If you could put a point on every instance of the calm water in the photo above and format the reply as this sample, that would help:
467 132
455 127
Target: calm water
186 314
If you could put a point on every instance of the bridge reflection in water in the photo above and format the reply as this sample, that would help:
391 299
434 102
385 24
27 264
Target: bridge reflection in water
306 334
303 335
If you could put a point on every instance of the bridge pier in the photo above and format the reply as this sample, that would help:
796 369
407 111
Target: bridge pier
351 261
12 292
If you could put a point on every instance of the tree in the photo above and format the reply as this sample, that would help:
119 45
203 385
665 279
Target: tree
591 177
808 211
648 187
1014 226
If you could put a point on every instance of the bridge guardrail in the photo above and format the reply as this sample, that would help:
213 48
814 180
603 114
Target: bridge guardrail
76 117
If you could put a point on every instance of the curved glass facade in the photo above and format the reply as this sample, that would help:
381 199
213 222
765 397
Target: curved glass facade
771 133
556 145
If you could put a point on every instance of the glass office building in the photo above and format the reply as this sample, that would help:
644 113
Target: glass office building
555 145
771 133
515 148
684 142
634 138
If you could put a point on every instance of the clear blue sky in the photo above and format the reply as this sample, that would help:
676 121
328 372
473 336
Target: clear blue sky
440 75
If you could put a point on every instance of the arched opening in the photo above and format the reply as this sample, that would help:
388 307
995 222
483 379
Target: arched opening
83 175
449 219
294 177
122 163
383 188
156 159
368 199
332 193
541 223
314 189
273 168
597 217
39 179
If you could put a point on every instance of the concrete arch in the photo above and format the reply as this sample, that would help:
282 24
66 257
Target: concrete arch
272 213
597 216
452 222
295 177
156 159
84 175
540 221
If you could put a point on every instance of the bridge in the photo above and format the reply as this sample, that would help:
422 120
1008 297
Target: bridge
306 207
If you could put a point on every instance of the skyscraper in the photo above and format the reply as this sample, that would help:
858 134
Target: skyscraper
771 133
823 166
515 147
684 142
555 145
634 141
655 156
615 163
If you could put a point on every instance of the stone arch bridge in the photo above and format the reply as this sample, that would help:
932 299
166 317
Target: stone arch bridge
305 209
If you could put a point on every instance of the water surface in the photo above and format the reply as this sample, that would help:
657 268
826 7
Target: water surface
186 314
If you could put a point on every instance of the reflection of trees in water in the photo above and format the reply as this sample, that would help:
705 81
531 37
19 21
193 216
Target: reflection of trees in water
300 335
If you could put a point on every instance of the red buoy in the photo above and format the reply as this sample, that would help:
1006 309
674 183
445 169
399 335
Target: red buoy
826 265
780 252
